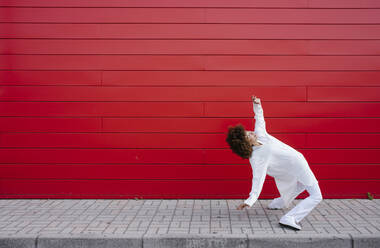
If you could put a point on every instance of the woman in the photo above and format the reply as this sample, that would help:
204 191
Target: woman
288 167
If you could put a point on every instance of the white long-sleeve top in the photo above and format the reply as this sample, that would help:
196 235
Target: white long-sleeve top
278 160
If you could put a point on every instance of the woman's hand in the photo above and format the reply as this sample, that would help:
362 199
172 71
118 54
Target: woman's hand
242 206
256 100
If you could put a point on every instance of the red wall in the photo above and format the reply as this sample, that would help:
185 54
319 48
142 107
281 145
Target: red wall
125 99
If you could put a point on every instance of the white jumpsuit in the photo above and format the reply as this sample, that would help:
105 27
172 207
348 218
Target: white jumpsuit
286 165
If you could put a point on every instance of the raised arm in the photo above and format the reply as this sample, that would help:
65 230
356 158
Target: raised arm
260 126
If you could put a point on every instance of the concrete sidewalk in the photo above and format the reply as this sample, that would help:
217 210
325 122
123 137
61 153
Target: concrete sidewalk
183 223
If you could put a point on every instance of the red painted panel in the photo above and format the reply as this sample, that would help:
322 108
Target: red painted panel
44 77
295 109
49 124
292 62
99 62
109 15
189 31
275 125
96 109
312 16
135 140
279 127
351 140
189 109
167 189
346 171
154 3
85 93
125 171
325 156
172 156
177 140
216 47
173 171
188 62
192 78
105 155
197 3
190 15
257 78
343 93
326 125
343 4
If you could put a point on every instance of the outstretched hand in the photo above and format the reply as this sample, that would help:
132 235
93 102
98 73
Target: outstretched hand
256 100
242 206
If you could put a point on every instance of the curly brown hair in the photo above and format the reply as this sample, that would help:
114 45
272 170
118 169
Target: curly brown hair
237 141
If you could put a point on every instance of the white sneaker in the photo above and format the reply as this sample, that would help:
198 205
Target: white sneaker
289 221
277 203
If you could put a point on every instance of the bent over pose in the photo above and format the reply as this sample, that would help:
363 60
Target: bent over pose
288 167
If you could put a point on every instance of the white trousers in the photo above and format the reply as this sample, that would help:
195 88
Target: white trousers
303 208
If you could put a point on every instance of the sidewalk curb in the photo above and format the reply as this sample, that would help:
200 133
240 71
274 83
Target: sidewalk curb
195 240
22 240
300 240
366 240
89 240
190 240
